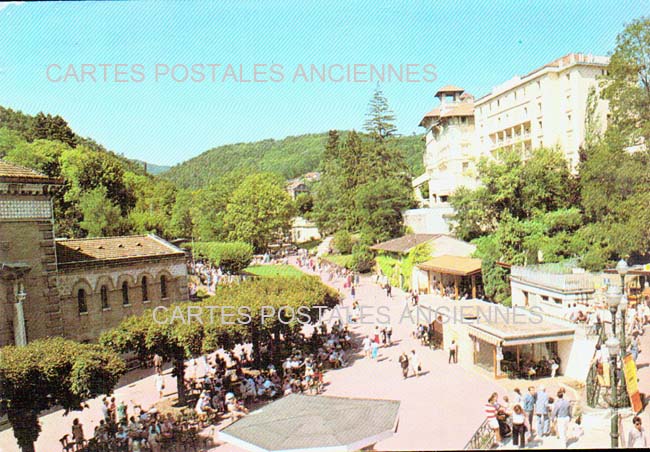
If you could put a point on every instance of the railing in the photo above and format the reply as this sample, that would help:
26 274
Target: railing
483 438
564 282
592 385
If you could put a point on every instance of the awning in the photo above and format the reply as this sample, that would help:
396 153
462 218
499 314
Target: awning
485 337
537 340
306 423
453 265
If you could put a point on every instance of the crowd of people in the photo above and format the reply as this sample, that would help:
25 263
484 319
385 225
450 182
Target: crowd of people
533 415
135 430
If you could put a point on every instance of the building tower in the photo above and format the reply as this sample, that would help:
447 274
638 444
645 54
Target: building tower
29 301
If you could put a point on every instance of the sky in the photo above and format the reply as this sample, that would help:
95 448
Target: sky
141 111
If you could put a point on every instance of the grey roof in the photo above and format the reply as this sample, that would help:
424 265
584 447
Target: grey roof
300 422
405 243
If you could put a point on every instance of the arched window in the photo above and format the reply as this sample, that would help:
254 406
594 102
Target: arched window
163 286
103 294
125 293
145 289
81 301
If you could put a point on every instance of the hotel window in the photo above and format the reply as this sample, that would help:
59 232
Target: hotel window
103 295
125 293
515 94
163 286
525 111
145 289
539 124
465 166
568 76
539 84
498 102
568 117
81 301
539 107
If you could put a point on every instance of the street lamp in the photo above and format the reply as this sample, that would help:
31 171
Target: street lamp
613 347
622 269
613 300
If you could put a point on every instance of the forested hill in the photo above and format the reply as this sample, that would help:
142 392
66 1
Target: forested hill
46 126
290 157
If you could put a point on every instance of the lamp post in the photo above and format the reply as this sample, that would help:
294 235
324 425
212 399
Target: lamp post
613 347
622 269
613 300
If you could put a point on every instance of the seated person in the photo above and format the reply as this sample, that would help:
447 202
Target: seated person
235 408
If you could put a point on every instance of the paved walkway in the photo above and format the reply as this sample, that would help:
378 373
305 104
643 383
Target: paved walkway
441 409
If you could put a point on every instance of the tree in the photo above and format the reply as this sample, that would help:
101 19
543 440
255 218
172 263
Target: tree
380 118
342 242
101 218
232 257
627 81
177 338
209 207
259 211
304 203
48 127
48 373
380 204
181 223
9 139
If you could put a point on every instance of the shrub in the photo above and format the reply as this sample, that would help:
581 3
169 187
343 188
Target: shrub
342 242
363 260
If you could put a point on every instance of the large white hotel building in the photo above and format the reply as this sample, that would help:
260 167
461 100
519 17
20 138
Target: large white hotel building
544 108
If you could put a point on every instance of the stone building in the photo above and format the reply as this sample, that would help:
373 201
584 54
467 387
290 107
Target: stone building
73 288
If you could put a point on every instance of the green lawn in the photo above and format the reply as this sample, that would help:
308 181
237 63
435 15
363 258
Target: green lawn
274 270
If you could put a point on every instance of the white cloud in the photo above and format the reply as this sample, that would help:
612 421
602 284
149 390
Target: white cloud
4 5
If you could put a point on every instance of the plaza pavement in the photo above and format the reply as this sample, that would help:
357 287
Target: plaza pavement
441 409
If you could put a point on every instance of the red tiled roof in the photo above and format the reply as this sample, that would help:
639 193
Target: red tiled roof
113 248
20 174
462 109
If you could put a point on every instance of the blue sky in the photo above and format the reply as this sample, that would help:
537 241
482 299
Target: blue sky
473 44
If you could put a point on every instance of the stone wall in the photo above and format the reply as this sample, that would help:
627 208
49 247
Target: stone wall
90 278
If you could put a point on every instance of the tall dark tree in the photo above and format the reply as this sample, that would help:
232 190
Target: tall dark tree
380 120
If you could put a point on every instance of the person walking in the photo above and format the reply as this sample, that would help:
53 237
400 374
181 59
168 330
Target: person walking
160 384
541 413
389 334
78 434
637 439
453 352
404 362
414 362
375 348
561 414
157 363
389 290
367 346
529 406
